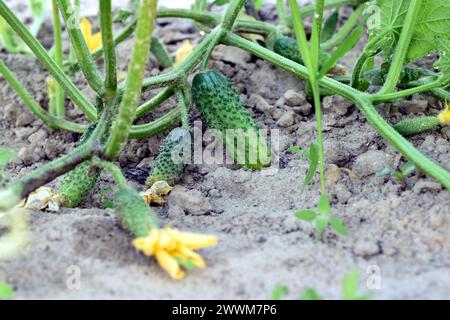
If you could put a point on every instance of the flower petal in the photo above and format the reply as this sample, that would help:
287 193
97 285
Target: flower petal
193 241
187 255
147 244
170 265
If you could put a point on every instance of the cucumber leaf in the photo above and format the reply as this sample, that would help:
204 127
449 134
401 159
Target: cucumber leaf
433 20
443 64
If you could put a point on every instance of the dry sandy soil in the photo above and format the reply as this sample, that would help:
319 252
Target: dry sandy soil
400 230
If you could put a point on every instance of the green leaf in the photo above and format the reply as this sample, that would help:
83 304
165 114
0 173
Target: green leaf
313 163
433 20
338 226
350 285
6 291
279 292
443 64
321 224
324 205
306 215
342 50
330 26
310 294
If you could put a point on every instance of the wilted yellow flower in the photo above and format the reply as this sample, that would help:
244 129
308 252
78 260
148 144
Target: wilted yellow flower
183 52
93 41
156 192
41 199
174 249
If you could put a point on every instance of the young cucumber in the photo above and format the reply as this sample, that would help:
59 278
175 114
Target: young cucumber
77 184
414 126
170 163
135 214
224 111
287 47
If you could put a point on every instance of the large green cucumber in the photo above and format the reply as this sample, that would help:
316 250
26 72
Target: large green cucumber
170 163
224 111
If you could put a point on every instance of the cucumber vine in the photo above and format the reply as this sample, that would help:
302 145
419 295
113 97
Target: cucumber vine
409 30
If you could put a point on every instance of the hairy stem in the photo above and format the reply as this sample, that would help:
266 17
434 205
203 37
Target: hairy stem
59 98
151 104
109 49
79 45
139 57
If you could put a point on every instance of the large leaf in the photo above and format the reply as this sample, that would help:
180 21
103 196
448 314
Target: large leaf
433 20
443 64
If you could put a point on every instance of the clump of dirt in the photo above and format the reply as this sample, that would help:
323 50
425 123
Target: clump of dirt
399 231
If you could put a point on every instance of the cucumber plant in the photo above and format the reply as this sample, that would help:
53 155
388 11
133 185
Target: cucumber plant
113 114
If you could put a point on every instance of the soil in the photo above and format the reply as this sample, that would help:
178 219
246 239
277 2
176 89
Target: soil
397 230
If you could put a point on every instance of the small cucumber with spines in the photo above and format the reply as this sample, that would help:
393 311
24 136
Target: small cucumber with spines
78 183
176 144
223 110
135 214
418 125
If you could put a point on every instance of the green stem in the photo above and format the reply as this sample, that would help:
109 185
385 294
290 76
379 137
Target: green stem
361 99
402 47
162 124
151 104
208 19
231 14
59 98
343 32
311 58
80 48
34 106
184 109
380 97
115 171
109 49
139 58
78 98
368 52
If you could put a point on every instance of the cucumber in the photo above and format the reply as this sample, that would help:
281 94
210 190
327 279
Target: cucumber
170 163
414 126
287 47
77 184
224 111
135 214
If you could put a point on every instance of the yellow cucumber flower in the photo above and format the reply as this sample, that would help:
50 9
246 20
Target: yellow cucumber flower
183 52
93 41
444 116
174 249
